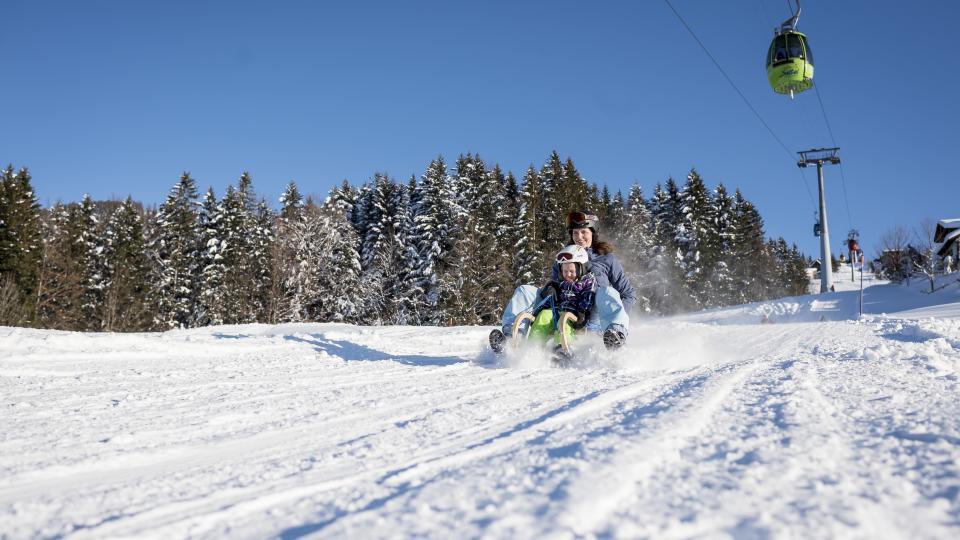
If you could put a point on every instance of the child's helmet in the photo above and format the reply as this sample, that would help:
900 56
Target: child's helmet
572 253
575 254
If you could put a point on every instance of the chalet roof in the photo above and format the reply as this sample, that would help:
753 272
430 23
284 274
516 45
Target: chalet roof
948 241
944 226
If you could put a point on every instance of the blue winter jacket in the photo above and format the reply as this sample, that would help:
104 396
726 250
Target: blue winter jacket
608 273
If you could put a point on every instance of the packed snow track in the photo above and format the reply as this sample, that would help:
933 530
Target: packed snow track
827 429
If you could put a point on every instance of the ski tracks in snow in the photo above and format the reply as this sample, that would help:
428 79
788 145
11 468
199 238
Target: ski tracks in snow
806 430
785 446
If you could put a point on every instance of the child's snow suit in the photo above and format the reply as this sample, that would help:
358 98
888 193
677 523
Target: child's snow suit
576 297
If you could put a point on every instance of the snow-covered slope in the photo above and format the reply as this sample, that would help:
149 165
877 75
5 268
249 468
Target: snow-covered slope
911 301
706 425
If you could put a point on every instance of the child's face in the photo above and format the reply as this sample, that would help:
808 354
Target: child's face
569 271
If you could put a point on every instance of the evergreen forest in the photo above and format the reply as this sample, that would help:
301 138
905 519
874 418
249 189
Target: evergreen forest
447 248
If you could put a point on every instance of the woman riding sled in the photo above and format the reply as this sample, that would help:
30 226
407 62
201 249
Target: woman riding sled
614 298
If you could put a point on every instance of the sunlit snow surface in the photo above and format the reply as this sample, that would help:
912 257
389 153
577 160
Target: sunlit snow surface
705 425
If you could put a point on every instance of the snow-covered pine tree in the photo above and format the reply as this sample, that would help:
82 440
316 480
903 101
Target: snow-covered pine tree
530 245
773 273
250 272
656 203
551 219
59 290
435 218
595 201
795 272
302 235
616 215
721 279
126 272
414 294
283 254
785 276
340 282
262 244
459 294
291 204
326 283
574 194
403 291
511 230
606 209
175 249
475 284
247 231
693 241
358 217
235 229
564 189
490 267
345 198
87 250
638 247
506 207
747 251
21 248
375 249
668 293
667 207
212 306
408 297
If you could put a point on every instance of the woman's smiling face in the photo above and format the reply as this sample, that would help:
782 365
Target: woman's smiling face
582 237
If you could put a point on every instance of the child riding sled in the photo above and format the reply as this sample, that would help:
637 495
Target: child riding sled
573 294
614 295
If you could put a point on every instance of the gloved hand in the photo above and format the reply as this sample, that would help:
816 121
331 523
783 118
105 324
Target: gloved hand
550 289
581 320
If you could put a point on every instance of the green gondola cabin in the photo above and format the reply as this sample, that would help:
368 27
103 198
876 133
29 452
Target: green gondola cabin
790 63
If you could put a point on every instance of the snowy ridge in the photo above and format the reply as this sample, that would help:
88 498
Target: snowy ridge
707 424
880 298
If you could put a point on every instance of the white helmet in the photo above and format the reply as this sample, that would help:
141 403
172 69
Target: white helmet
572 253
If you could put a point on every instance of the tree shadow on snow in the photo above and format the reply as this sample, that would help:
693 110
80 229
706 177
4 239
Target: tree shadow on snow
353 352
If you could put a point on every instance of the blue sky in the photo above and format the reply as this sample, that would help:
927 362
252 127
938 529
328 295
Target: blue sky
118 98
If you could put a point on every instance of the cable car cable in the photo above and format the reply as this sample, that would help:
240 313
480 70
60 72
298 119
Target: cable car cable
843 179
745 100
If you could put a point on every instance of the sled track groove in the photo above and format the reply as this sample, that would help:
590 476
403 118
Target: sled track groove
196 454
598 493
211 511
594 410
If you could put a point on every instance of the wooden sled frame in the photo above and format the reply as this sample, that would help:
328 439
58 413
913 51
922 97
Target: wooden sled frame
564 318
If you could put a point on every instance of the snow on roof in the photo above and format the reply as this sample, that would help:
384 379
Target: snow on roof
949 223
950 236
943 227
947 240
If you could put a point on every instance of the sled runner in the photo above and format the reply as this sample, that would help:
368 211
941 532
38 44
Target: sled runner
520 331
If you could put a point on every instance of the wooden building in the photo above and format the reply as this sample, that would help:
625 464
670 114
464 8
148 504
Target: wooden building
947 236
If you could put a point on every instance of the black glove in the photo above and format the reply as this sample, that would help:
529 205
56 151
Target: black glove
581 319
550 289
